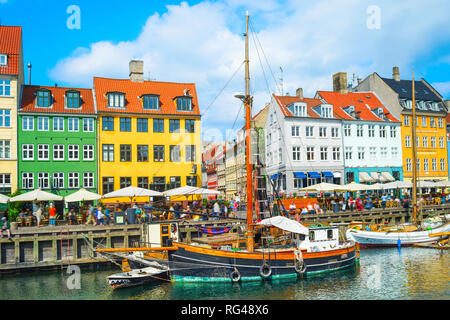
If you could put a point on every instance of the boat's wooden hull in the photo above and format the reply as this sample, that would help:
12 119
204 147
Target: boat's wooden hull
390 239
199 264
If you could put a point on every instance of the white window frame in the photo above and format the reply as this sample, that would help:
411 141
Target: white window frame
296 153
57 124
73 177
335 132
28 180
57 150
72 149
310 154
433 141
44 177
434 166
426 164
28 123
347 130
4 146
441 142
27 150
309 131
58 180
45 150
90 124
3 60
89 149
88 180
5 114
295 131
45 122
442 164
408 165
336 153
323 153
71 123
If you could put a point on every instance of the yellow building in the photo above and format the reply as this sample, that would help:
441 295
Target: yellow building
11 80
149 133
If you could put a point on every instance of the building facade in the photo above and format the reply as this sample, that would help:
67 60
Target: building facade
431 113
57 140
149 133
11 80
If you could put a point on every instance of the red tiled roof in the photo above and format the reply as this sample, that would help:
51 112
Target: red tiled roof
167 92
284 101
364 103
10 43
28 103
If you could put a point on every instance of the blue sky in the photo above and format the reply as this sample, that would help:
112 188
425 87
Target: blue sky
201 42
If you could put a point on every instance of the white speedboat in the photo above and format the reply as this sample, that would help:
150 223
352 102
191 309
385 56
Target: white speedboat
138 277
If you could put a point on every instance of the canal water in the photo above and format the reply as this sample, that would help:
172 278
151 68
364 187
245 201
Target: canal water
382 274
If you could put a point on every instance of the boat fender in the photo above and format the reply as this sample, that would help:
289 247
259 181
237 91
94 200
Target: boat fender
235 276
265 271
299 264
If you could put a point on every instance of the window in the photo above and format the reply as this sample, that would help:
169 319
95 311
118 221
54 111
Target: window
440 122
190 153
43 123
159 184
5 88
347 130
424 122
359 130
371 131
116 100
150 102
158 125
73 124
142 125
295 131
5 183
58 152
298 110
88 152
142 153
326 111
184 104
441 142
158 153
174 126
393 132
442 164
336 153
88 125
43 98
433 142
73 152
191 181
408 165
142 182
335 132
58 124
296 153
348 153
5 149
28 180
107 184
394 152
5 118
280 155
432 122
43 180
383 152
108 123
309 131
27 152
58 180
27 123
322 132
43 151
373 152
361 153
425 142
309 153
74 181
406 121
426 165
125 152
382 131
434 164
408 141
108 152
323 153
88 180
125 124
417 141
190 126
3 60
175 153
418 165
175 182
72 99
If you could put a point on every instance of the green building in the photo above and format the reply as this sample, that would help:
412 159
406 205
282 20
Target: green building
57 140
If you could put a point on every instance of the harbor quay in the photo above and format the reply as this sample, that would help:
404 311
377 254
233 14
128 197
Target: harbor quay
53 247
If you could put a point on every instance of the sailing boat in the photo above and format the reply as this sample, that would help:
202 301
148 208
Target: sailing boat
303 251
402 235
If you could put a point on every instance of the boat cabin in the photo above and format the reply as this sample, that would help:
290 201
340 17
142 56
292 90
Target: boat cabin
320 237
157 234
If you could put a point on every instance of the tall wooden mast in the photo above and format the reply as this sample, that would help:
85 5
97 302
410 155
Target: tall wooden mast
248 118
414 150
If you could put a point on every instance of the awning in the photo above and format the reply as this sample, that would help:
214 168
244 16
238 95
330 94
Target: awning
386 177
275 176
300 175
364 177
314 175
375 175
285 224
327 174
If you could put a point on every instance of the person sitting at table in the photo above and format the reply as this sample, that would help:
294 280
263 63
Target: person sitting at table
292 207
369 204
21 214
71 216
317 208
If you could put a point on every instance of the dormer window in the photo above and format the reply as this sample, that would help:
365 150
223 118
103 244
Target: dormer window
298 110
116 100
3 60
184 103
150 102
351 111
380 113
326 111
43 98
72 99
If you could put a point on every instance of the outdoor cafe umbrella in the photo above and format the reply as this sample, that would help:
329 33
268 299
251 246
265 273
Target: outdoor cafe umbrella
324 187
353 186
188 190
442 184
82 195
36 195
285 224
3 198
398 185
132 192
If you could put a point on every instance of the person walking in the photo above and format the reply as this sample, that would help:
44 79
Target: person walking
100 216
52 215
38 213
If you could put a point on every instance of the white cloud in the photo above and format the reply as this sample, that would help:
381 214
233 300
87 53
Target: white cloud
203 43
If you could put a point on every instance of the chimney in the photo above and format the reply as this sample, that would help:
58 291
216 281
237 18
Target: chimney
299 93
29 73
396 74
137 70
340 82
359 80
